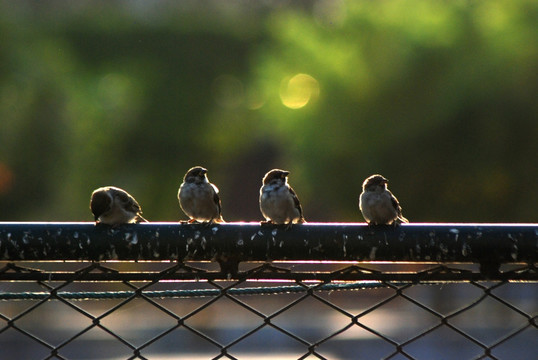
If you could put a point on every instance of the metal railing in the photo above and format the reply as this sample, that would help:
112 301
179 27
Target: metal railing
241 290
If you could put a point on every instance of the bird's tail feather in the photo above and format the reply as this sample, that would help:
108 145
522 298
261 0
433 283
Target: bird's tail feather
140 218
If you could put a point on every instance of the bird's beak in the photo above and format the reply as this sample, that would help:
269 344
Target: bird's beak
285 173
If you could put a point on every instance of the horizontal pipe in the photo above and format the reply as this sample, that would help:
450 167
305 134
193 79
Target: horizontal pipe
427 242
350 274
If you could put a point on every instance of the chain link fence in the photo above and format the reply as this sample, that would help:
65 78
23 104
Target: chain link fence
219 300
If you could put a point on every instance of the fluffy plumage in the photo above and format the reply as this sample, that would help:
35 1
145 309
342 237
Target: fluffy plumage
114 206
279 204
198 198
377 204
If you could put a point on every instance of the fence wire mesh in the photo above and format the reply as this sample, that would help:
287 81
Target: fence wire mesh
285 310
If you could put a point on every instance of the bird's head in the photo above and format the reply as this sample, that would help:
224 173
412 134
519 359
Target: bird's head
275 176
196 174
101 202
375 182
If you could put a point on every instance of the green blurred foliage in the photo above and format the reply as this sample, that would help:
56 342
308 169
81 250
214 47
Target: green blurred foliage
438 96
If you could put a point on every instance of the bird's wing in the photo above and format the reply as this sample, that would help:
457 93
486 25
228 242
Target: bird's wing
397 206
216 199
129 201
296 202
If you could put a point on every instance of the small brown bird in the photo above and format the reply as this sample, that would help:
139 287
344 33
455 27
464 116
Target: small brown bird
198 198
278 202
377 204
114 206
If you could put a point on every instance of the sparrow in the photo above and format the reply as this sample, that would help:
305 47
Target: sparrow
377 204
198 198
278 202
114 206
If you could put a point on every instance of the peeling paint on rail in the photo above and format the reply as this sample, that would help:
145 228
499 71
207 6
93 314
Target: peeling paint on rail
492 243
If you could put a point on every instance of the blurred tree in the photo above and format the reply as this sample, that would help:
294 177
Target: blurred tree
98 97
437 96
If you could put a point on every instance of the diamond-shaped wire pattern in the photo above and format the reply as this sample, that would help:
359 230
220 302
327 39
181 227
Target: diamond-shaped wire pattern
265 313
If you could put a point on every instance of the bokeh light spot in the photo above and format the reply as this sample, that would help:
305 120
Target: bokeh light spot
299 90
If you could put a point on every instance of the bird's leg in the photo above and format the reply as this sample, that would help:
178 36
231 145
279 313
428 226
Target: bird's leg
209 223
